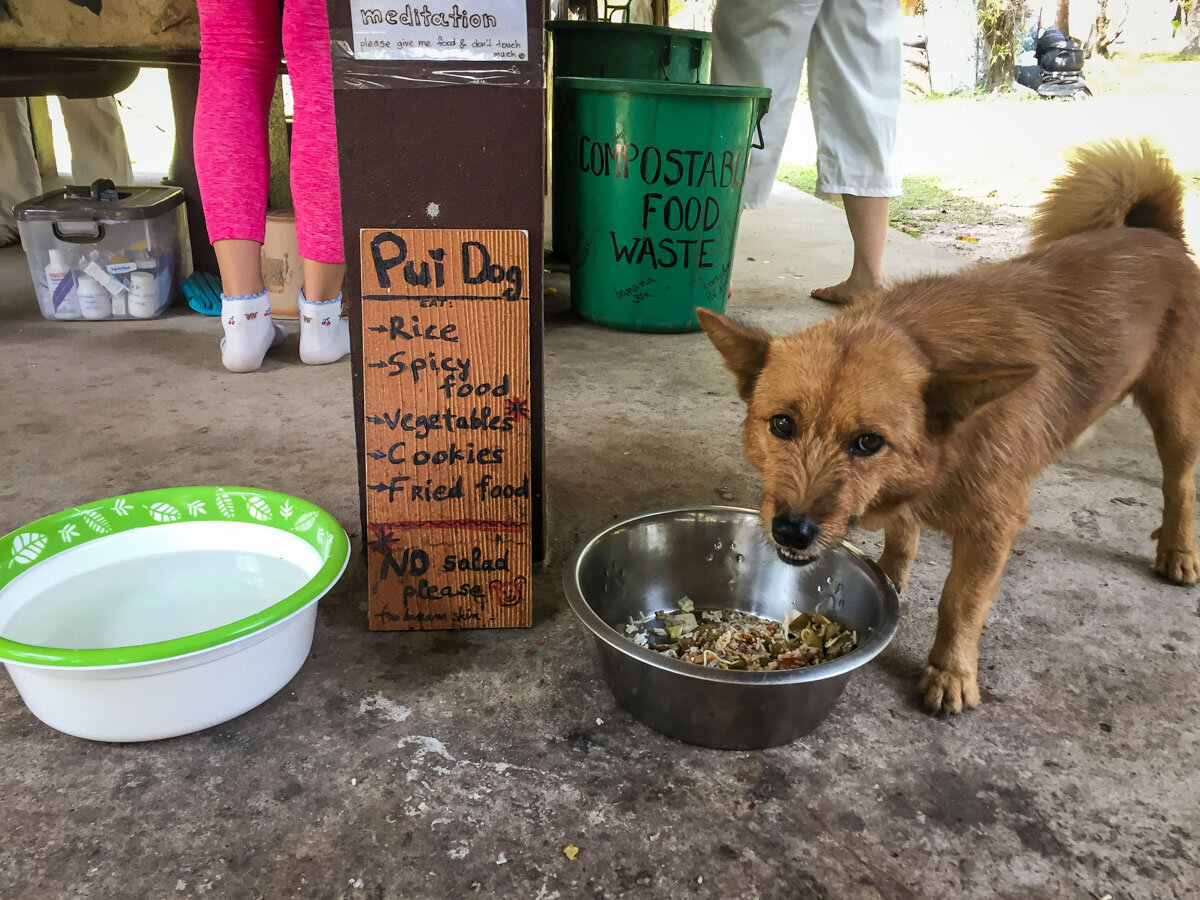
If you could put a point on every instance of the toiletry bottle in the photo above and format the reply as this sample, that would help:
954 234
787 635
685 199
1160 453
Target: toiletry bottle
143 295
58 268
115 286
95 302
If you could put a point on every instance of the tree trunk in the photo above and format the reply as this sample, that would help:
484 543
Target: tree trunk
1096 41
999 22
1063 17
1191 31
1111 16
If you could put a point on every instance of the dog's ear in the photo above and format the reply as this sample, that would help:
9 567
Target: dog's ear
744 349
952 395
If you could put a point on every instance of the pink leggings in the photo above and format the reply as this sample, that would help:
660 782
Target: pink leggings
239 59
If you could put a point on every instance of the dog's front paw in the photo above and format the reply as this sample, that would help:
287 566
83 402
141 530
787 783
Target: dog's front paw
896 571
949 691
1178 566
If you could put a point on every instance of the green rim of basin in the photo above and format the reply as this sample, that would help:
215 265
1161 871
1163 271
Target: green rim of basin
24 549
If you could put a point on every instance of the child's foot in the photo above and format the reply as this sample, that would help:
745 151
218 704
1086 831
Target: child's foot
324 334
249 331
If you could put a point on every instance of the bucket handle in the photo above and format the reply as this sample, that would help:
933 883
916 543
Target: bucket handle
760 143
697 59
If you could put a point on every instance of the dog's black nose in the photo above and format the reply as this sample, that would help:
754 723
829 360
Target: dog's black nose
795 531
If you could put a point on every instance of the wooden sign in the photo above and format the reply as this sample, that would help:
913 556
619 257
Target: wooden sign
447 426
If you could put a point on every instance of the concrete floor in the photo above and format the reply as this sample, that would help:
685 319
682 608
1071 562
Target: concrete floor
448 764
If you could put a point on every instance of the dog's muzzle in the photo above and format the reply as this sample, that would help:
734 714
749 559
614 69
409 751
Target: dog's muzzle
795 536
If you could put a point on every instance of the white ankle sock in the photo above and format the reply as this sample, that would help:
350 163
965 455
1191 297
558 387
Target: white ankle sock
324 334
249 331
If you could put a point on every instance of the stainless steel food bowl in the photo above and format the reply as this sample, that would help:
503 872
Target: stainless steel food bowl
719 558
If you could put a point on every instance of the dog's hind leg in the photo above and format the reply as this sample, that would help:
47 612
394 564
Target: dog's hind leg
901 536
1169 397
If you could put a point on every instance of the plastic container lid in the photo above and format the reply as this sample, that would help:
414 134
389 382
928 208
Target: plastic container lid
58 257
631 86
100 201
617 28
141 279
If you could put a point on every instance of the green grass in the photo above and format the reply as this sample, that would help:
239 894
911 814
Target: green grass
1146 73
1008 92
924 201
803 177
1179 56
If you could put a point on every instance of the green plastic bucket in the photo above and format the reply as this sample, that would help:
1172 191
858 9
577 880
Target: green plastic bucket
607 50
657 171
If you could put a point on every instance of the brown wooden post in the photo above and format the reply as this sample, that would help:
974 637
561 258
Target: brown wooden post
43 137
438 156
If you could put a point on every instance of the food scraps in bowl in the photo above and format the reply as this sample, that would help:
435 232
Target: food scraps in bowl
729 639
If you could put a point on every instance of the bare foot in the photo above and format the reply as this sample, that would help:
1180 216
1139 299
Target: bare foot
845 293
949 691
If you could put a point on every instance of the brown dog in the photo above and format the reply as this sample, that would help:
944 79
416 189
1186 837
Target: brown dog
936 403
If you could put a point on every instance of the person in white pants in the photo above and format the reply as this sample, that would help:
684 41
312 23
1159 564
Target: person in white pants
854 86
97 139
98 150
19 178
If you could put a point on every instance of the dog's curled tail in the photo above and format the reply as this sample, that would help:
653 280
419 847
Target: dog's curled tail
1110 184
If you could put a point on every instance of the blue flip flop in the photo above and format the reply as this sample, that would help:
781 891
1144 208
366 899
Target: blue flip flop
203 292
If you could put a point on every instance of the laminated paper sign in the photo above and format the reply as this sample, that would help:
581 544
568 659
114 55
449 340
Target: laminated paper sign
445 332
441 29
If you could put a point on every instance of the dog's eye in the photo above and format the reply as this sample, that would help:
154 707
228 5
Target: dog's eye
782 426
867 444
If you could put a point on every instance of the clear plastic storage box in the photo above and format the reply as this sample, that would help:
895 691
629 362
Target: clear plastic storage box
106 252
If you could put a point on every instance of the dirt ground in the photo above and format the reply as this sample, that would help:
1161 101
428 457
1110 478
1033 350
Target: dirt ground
974 165
996 240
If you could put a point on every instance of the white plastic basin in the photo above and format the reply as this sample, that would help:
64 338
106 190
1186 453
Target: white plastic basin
161 613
